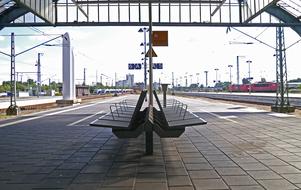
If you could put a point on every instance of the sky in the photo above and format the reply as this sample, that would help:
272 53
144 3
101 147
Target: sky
191 51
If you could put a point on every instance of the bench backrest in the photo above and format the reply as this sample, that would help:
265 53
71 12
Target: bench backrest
158 101
138 106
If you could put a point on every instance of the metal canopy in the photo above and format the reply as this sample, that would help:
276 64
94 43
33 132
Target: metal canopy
135 12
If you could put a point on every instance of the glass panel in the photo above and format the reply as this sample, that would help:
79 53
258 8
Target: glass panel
291 6
253 7
43 8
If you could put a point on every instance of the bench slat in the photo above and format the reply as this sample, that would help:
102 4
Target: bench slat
110 124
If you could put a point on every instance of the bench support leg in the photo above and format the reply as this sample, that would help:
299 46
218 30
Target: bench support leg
148 128
148 142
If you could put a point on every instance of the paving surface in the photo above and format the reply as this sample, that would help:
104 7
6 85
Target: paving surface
5 102
239 148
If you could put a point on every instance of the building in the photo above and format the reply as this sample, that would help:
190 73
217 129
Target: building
127 83
82 90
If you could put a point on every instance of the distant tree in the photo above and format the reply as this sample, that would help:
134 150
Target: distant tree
44 87
30 82
21 86
295 80
2 89
5 86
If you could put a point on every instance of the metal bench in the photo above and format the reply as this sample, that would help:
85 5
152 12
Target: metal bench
124 120
130 122
172 120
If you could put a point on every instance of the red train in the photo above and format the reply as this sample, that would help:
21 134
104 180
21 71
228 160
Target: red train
256 87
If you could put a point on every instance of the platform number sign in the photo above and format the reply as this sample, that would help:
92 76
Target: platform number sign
134 66
158 66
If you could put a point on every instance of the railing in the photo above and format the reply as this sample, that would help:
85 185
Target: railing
135 12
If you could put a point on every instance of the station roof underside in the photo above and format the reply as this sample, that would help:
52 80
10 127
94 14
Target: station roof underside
164 13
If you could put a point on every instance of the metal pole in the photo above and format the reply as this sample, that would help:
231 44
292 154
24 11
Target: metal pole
230 76
230 67
145 66
13 72
96 78
84 82
149 127
282 101
173 84
216 75
115 80
39 75
249 69
237 65
206 73
150 56
249 62
240 10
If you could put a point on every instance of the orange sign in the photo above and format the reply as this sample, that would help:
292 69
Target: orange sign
160 38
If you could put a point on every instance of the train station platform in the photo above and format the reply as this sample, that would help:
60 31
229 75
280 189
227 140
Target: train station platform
241 148
5 102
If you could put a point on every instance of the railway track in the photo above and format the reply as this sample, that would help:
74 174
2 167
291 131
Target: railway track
246 98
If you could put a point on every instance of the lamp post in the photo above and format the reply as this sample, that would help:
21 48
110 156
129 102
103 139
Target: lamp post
186 79
249 62
230 68
216 70
197 78
144 44
206 73
249 79
84 81
216 78
173 83
181 81
39 74
237 66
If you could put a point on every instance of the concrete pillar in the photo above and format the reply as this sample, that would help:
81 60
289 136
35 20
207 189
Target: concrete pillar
68 69
69 96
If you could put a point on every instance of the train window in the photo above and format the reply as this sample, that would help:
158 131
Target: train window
261 85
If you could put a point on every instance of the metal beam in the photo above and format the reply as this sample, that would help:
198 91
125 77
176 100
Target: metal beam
4 2
77 4
11 15
285 16
259 11
142 24
144 1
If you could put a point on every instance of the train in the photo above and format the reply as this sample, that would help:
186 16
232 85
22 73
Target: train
255 87
113 91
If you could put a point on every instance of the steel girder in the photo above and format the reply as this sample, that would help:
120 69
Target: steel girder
11 15
285 17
